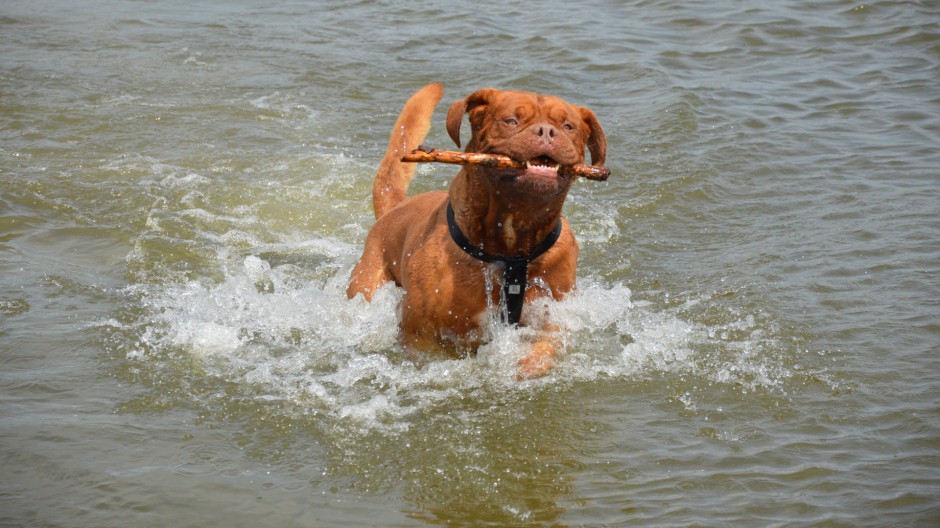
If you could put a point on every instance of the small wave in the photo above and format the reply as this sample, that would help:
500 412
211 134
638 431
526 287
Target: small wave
285 107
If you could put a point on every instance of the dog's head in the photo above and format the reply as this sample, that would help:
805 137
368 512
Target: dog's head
544 131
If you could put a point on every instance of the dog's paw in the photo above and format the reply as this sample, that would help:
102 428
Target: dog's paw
538 363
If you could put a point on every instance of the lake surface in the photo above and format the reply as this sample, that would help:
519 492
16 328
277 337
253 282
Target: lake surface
184 189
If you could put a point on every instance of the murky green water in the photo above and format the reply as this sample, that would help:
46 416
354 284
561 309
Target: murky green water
184 189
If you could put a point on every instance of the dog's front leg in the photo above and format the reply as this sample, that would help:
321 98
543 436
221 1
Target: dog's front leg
369 274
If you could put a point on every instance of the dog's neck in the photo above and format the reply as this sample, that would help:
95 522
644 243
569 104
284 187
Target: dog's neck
499 219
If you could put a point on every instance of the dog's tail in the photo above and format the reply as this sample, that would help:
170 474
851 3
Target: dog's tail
391 182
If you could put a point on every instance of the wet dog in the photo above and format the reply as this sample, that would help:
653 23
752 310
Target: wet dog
443 248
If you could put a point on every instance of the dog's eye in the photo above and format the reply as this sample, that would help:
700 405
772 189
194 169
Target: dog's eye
569 127
510 121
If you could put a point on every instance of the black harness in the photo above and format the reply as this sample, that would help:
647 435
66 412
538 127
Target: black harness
514 268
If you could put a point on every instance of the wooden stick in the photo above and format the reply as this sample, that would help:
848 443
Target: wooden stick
425 154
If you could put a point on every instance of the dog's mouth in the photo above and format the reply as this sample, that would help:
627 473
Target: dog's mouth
541 174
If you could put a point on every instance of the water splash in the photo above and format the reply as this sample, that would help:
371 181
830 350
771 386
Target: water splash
302 342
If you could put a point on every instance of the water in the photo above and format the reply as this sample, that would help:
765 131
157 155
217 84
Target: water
185 187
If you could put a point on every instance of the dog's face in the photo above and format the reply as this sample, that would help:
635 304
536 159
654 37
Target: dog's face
544 131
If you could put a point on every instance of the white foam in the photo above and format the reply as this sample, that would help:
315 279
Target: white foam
304 342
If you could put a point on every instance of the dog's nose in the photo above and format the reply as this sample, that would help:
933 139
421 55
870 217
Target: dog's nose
545 132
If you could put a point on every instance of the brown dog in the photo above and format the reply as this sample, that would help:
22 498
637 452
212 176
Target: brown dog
496 238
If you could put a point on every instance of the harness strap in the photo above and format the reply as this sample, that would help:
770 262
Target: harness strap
515 269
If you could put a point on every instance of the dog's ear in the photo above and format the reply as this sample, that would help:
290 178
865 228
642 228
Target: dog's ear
468 104
597 141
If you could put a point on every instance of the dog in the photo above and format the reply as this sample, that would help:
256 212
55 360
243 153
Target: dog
446 249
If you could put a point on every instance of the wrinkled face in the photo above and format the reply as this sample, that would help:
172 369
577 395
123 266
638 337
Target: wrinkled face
544 131
529 127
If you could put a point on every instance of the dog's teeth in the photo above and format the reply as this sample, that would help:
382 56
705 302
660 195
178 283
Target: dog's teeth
530 165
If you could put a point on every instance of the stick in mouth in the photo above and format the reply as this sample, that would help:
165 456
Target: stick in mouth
427 154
